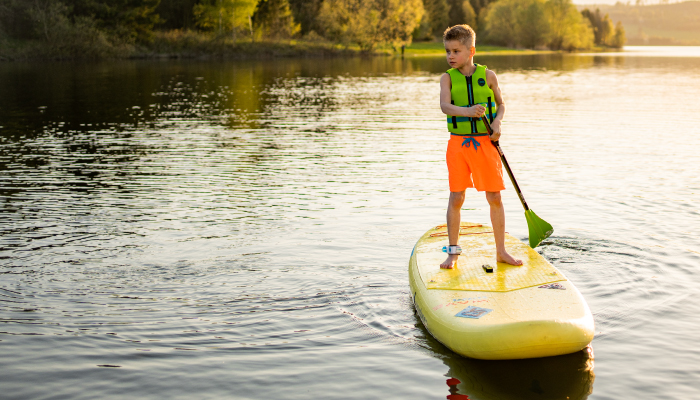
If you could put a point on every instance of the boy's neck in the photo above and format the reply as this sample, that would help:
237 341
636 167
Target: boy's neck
468 68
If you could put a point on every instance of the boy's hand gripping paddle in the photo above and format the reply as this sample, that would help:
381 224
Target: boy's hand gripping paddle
538 228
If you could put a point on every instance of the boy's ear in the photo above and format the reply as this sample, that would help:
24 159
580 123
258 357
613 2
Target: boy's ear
472 51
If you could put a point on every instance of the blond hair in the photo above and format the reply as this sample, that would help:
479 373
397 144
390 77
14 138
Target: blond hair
464 33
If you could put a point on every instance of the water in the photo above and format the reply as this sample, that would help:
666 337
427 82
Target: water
242 229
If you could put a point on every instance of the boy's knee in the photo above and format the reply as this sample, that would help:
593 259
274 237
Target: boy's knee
456 199
494 199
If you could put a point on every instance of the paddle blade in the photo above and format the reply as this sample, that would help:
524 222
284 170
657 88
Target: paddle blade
538 228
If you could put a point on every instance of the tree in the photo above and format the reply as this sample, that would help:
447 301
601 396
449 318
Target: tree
370 22
569 29
306 12
480 8
176 14
461 12
501 23
224 15
437 12
274 19
479 5
619 38
532 26
128 20
533 23
603 28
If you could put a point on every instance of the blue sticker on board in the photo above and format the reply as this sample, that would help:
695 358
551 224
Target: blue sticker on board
473 312
553 286
481 81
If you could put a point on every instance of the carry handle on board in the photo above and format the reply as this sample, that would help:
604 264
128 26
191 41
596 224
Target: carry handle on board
538 228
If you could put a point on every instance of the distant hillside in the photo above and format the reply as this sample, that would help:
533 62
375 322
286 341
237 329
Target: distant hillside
659 24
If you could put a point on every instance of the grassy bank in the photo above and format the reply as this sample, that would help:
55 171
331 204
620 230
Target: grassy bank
175 44
189 44
197 45
437 49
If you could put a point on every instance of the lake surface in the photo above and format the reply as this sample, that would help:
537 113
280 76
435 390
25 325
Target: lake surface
242 229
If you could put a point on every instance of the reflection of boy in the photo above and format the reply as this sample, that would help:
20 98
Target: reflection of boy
467 92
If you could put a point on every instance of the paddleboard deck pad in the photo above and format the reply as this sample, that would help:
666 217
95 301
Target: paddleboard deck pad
512 312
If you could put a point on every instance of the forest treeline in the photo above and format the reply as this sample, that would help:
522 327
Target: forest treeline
114 28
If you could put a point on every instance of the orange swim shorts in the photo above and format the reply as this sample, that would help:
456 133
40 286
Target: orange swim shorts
473 162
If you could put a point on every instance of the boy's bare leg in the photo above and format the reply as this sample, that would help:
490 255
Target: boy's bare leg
454 215
498 220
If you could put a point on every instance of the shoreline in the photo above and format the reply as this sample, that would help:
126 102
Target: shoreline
192 45
169 46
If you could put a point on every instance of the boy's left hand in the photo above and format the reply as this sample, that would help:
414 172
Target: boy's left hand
496 128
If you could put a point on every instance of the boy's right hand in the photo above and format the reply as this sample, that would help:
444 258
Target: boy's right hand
475 111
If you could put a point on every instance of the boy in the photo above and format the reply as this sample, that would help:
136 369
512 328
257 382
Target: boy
467 92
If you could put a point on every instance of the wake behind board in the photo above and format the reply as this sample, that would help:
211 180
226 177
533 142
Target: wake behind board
514 312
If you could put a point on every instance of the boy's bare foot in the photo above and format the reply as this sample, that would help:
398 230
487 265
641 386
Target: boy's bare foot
450 262
508 259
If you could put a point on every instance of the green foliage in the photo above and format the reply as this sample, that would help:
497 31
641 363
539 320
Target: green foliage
480 8
619 39
176 14
53 29
274 19
129 21
531 23
107 28
306 13
461 12
437 17
224 16
501 23
569 30
370 22
605 33
15 20
538 23
479 5
603 28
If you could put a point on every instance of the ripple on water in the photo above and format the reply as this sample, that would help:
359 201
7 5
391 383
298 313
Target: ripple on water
242 229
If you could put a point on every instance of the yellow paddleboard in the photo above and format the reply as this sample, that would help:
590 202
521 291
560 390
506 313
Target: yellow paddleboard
514 312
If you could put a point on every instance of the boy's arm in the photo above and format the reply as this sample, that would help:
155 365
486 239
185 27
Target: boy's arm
446 102
492 80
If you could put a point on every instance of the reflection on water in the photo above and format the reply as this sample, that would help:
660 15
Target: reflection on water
563 377
201 229
569 376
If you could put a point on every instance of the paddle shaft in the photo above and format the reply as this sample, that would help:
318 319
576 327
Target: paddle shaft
505 163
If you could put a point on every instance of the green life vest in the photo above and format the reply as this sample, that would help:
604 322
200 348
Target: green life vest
468 91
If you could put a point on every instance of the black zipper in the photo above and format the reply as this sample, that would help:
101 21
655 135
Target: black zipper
470 90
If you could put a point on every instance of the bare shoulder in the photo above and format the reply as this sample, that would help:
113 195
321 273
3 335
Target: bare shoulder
491 78
445 80
490 74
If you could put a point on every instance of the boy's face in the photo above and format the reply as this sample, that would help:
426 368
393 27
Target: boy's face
457 53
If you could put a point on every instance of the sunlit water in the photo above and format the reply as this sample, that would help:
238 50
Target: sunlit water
242 229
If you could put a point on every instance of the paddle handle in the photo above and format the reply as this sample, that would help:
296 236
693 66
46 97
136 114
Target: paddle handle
505 164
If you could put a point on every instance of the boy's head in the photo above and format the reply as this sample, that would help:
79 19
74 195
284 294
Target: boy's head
459 45
462 33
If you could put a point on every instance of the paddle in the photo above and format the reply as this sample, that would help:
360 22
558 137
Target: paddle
538 228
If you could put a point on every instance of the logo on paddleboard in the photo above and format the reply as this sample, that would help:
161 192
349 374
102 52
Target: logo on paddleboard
553 286
473 312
